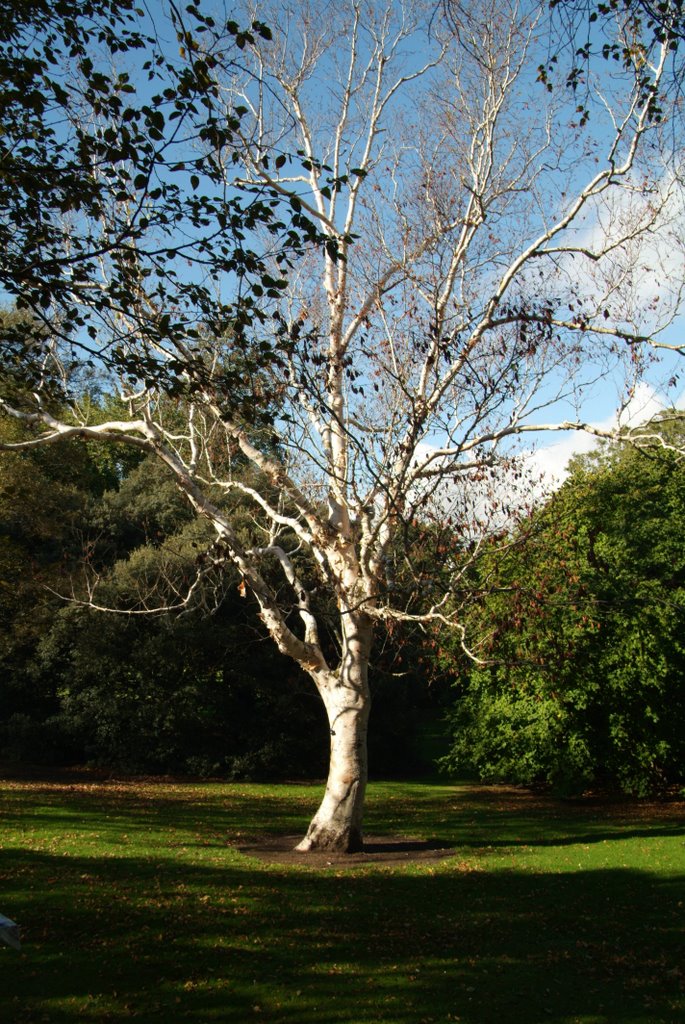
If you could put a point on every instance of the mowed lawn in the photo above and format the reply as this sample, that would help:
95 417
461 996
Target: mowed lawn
136 902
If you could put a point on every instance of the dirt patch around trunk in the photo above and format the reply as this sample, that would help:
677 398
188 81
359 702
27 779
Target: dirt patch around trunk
378 851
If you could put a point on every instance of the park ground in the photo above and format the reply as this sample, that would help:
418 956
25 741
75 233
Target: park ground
161 900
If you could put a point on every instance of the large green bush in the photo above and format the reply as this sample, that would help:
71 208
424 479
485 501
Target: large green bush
585 618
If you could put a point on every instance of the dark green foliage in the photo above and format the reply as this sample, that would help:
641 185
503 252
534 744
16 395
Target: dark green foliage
43 505
199 694
116 155
586 683
200 690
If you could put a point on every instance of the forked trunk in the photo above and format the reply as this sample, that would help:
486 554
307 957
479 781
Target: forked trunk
337 825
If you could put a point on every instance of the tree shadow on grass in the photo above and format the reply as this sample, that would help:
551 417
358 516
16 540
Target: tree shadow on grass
142 806
597 835
458 817
164 939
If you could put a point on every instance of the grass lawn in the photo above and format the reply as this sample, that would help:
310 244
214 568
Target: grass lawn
136 904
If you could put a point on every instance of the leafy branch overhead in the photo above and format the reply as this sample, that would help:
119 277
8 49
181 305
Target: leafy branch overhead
117 215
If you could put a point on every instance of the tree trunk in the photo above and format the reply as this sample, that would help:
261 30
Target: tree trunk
337 824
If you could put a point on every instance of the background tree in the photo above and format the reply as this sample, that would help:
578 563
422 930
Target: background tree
44 503
204 692
199 693
584 616
478 275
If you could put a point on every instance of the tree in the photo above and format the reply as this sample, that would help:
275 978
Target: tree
43 503
476 277
585 681
198 693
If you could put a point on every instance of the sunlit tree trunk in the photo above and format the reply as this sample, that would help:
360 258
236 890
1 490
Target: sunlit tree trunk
337 824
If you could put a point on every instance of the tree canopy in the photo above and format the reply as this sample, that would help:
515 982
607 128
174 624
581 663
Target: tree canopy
116 216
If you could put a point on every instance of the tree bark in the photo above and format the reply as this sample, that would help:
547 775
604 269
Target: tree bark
337 824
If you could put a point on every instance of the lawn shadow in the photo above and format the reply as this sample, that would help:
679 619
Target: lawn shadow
581 838
110 938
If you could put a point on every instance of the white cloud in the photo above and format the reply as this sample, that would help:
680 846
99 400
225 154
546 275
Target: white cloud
551 461
641 279
498 500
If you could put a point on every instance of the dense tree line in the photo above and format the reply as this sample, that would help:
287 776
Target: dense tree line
194 690
583 674
583 680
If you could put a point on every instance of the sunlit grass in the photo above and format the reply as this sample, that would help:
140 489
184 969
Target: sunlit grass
136 903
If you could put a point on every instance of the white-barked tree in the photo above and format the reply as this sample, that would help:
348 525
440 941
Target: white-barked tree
480 213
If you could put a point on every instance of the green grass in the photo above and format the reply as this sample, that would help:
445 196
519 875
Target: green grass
135 904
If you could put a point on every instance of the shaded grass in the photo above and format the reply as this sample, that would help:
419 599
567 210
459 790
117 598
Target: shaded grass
135 904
